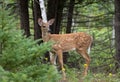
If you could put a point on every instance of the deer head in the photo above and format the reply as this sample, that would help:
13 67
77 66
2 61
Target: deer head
45 26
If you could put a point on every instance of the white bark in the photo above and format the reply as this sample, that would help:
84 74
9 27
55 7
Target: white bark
113 33
43 10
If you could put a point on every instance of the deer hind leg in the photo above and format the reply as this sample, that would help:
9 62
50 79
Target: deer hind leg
60 59
87 60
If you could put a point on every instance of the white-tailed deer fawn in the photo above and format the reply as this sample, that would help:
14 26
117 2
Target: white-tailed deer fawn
66 42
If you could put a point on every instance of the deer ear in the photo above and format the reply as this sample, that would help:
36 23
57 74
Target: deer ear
51 21
40 21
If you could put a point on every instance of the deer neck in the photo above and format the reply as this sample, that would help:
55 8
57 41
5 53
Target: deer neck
46 36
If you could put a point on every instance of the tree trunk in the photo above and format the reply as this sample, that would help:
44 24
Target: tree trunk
36 15
24 16
55 8
117 32
70 15
51 7
51 13
58 15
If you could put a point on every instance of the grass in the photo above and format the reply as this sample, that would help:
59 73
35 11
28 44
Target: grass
75 76
101 77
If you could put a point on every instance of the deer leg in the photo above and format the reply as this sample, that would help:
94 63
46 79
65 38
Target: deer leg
60 59
87 60
53 58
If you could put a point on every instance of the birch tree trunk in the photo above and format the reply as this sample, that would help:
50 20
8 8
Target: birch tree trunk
43 10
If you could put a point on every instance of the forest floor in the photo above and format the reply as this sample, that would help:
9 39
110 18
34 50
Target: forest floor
98 77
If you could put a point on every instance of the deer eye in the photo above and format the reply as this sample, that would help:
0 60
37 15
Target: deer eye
43 26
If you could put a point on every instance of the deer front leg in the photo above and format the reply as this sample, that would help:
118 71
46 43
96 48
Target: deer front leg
60 59
52 58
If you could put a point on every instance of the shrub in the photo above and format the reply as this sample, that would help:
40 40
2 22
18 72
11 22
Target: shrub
21 58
